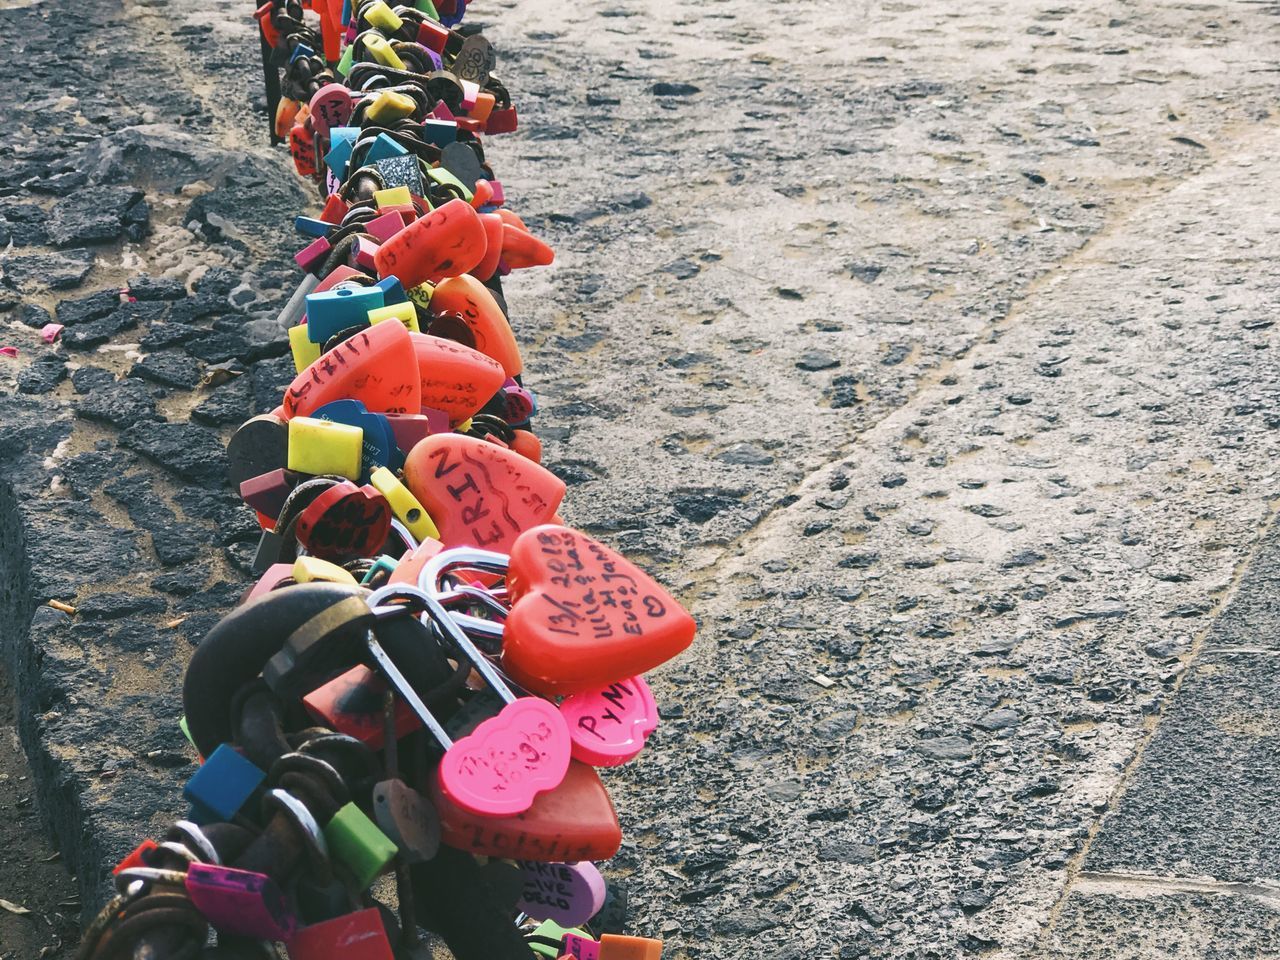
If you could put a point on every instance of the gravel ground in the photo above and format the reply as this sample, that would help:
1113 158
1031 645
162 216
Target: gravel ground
925 350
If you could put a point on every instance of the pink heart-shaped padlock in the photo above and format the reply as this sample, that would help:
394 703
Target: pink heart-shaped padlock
609 726
508 760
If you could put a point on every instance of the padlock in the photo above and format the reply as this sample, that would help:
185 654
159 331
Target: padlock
384 227
341 274
546 937
331 106
609 725
302 348
527 445
522 249
615 947
317 570
410 428
405 313
583 616
136 857
379 367
455 379
388 107
356 842
479 494
260 445
392 197
568 893
351 703
223 783
312 256
323 447
408 819
575 946
339 308
405 505
377 444
240 902
355 936
267 492
344 522
273 577
575 821
464 310
446 242
440 132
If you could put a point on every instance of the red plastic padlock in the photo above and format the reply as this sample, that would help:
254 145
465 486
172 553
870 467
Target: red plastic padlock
583 616
481 495
378 367
575 821
453 378
522 249
493 225
355 936
351 703
345 522
447 242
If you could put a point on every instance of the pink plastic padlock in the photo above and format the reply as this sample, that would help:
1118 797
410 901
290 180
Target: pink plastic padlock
579 948
609 726
331 106
275 576
568 893
240 902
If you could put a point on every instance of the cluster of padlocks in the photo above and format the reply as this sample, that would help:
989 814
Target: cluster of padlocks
411 704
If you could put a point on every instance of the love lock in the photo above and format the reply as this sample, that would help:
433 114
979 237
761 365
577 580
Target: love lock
582 617
509 759
453 378
609 726
240 902
568 893
344 522
377 366
480 494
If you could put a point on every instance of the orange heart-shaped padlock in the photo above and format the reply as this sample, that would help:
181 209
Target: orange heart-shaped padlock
492 224
480 495
466 311
453 378
377 366
583 616
521 249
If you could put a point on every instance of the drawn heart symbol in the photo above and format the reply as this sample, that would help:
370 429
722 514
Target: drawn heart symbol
453 378
575 821
568 893
466 311
609 726
508 760
377 366
479 494
583 616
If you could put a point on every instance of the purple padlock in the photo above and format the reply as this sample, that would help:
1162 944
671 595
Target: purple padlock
240 902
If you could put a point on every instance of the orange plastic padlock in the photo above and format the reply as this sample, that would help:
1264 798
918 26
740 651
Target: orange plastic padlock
286 116
410 566
447 242
485 102
493 227
511 219
453 378
528 445
481 194
480 495
465 310
377 366
521 249
617 947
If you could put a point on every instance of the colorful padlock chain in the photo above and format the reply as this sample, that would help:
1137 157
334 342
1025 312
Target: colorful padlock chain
413 699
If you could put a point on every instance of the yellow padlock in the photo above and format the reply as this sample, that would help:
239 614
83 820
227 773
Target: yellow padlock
404 505
405 312
382 17
387 108
304 351
392 197
378 48
324 447
421 294
308 569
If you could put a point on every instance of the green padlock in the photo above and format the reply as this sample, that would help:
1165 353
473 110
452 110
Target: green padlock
427 7
356 842
549 930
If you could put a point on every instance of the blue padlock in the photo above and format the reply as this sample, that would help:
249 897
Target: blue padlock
392 291
440 132
338 309
311 227
341 142
383 149
222 785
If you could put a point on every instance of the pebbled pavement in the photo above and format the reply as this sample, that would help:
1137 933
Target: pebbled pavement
926 350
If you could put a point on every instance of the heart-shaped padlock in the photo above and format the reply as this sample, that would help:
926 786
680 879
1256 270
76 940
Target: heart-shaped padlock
609 726
583 616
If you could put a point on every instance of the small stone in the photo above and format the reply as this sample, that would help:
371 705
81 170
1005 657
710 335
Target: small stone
666 89
814 360
746 454
945 748
1000 719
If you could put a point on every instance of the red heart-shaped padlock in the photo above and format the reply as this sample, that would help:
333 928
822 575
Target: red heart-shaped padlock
453 378
447 242
583 616
575 821
345 522
479 494
377 366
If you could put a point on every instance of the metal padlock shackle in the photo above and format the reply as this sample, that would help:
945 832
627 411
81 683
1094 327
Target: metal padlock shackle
463 558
